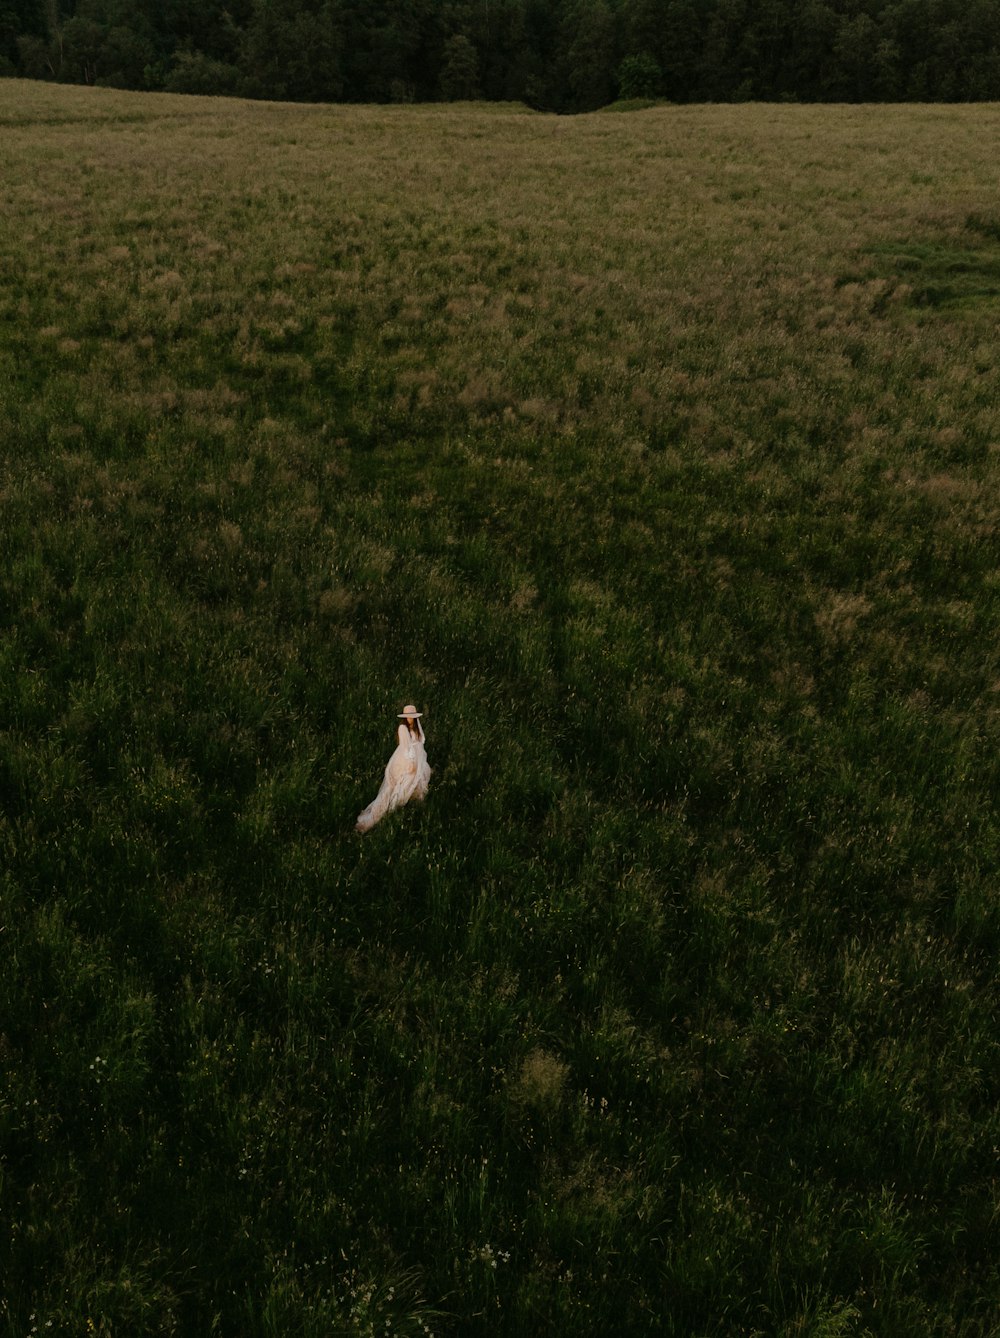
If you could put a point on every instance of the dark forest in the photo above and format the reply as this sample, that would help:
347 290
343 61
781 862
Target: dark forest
555 55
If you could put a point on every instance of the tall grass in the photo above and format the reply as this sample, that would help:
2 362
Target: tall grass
656 458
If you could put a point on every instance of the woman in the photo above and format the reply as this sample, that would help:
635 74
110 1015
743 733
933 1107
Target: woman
407 774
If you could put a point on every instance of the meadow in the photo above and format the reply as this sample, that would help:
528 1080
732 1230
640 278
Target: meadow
656 457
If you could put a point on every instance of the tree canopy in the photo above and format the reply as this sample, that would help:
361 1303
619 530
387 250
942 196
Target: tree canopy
558 55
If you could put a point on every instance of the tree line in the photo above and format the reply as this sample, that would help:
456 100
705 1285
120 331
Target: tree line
557 55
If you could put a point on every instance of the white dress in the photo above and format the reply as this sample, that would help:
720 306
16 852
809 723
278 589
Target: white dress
407 776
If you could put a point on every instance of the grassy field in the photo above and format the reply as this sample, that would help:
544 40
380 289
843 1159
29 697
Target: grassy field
656 457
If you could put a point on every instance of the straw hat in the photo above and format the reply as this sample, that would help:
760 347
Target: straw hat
409 713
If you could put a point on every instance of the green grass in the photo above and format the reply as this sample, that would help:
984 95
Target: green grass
935 274
626 448
630 105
